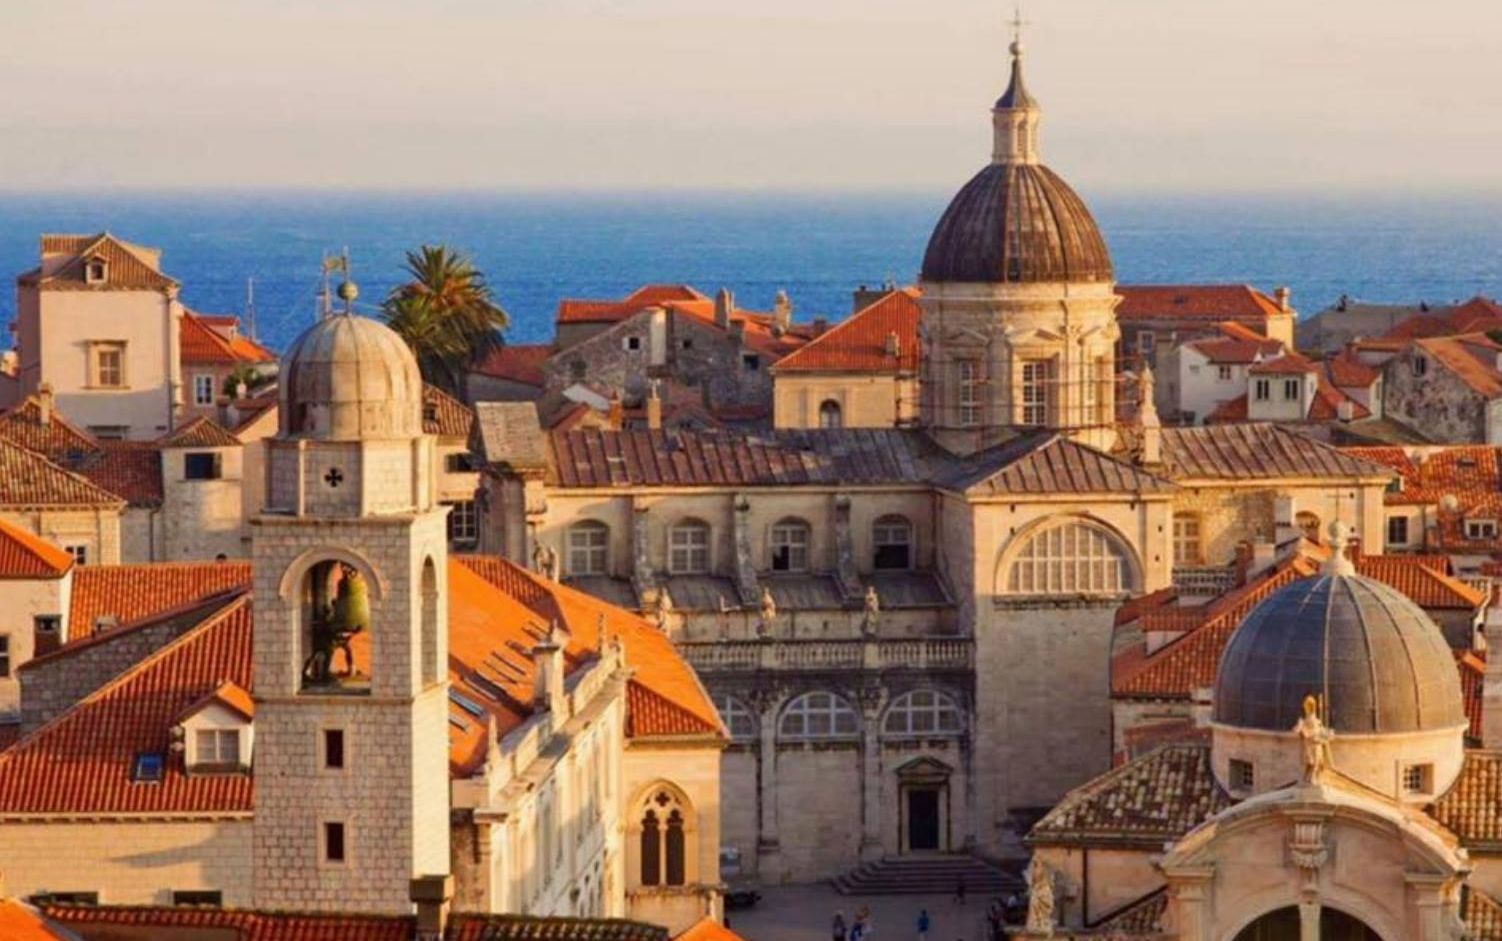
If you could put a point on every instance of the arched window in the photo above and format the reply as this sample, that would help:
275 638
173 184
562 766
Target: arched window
430 665
739 719
830 415
1308 523
1073 558
892 541
790 538
1187 549
335 614
688 548
588 548
664 838
923 712
818 716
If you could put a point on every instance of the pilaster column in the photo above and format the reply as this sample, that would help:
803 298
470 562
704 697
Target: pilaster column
745 563
768 847
1189 891
844 551
1426 894
871 782
1309 919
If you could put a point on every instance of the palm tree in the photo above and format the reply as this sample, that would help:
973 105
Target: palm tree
446 313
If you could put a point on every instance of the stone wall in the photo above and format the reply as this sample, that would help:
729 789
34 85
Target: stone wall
817 810
866 400
137 863
1436 403
97 530
25 600
201 519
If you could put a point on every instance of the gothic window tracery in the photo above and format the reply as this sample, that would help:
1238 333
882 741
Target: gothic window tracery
664 838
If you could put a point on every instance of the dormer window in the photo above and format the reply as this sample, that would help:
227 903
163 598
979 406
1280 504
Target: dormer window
216 732
1481 529
216 747
96 271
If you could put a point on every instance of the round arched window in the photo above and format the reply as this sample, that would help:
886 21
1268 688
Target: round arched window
923 712
1071 558
818 715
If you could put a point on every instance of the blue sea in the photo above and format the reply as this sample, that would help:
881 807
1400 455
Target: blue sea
537 249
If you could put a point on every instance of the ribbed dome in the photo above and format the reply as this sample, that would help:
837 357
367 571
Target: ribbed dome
1377 659
350 377
1016 223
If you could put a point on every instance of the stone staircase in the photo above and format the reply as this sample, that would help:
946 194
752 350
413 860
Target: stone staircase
926 874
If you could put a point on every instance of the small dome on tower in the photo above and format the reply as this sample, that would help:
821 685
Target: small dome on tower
1374 659
349 377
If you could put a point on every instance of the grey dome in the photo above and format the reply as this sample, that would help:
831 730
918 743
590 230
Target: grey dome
1378 661
347 378
1016 223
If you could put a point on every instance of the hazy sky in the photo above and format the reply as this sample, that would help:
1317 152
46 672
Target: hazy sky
1140 95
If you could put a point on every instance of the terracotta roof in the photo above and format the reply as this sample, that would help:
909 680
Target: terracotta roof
598 311
1289 364
707 929
667 693
1472 809
1426 580
21 922
26 555
444 415
1346 370
132 593
131 267
201 343
82 761
1472 666
1258 450
29 479
1146 802
1142 916
596 458
1048 462
1470 473
1477 315
516 362
228 694
57 438
1472 358
533 928
758 330
238 924
1482 914
1194 302
860 343
131 469
201 432
1227 351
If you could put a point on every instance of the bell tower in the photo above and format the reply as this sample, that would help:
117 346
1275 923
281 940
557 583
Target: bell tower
350 650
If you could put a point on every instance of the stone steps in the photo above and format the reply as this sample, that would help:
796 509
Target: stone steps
935 874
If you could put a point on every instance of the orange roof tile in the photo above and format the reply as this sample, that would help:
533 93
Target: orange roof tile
650 295
26 555
29 479
132 593
201 343
21 922
1226 350
1239 302
1477 315
1426 580
131 267
1472 474
1472 358
860 343
239 925
1346 370
1472 665
57 439
1289 364
232 695
82 761
516 362
200 432
130 469
1472 808
444 415
707 929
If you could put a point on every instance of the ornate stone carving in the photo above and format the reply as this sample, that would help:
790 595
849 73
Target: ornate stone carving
1315 737
545 561
1040 899
871 616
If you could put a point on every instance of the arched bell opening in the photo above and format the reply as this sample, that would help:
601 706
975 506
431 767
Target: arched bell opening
333 603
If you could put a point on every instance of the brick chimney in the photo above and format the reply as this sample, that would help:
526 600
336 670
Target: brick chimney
547 691
431 895
44 403
724 303
616 416
1283 296
654 408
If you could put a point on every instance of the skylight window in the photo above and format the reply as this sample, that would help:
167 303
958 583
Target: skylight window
149 768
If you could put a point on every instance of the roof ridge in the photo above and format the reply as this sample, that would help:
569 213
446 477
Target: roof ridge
53 466
155 617
128 674
1097 784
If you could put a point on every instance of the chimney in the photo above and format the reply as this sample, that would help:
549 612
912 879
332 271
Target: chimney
547 691
782 313
724 303
44 403
431 895
1147 418
1345 410
820 325
616 416
1282 296
894 345
1491 689
654 408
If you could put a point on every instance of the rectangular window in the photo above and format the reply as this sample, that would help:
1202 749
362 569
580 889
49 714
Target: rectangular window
202 898
333 748
588 549
458 462
333 842
1241 775
201 465
1290 389
1147 342
1035 383
969 389
79 552
47 631
108 366
1420 365
149 767
633 343
203 390
1481 529
1223 373
1418 779
65 898
217 746
790 547
1397 530
892 542
1262 390
464 524
1186 539
688 550
4 655
750 362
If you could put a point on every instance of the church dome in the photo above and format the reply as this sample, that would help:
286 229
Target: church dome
347 378
1016 223
1377 661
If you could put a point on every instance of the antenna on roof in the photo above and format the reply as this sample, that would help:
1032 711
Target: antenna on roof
250 308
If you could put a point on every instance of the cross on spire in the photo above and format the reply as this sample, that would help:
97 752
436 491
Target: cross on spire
1017 22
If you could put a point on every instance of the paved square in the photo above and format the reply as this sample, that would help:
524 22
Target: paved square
804 913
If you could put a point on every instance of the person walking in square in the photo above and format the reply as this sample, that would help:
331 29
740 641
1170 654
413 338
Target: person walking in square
837 929
924 923
959 890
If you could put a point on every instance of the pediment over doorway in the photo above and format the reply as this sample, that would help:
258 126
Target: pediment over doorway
924 770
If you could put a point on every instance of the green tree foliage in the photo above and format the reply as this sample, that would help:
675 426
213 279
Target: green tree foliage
446 313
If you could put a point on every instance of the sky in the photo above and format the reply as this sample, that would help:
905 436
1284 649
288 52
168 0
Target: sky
1140 96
